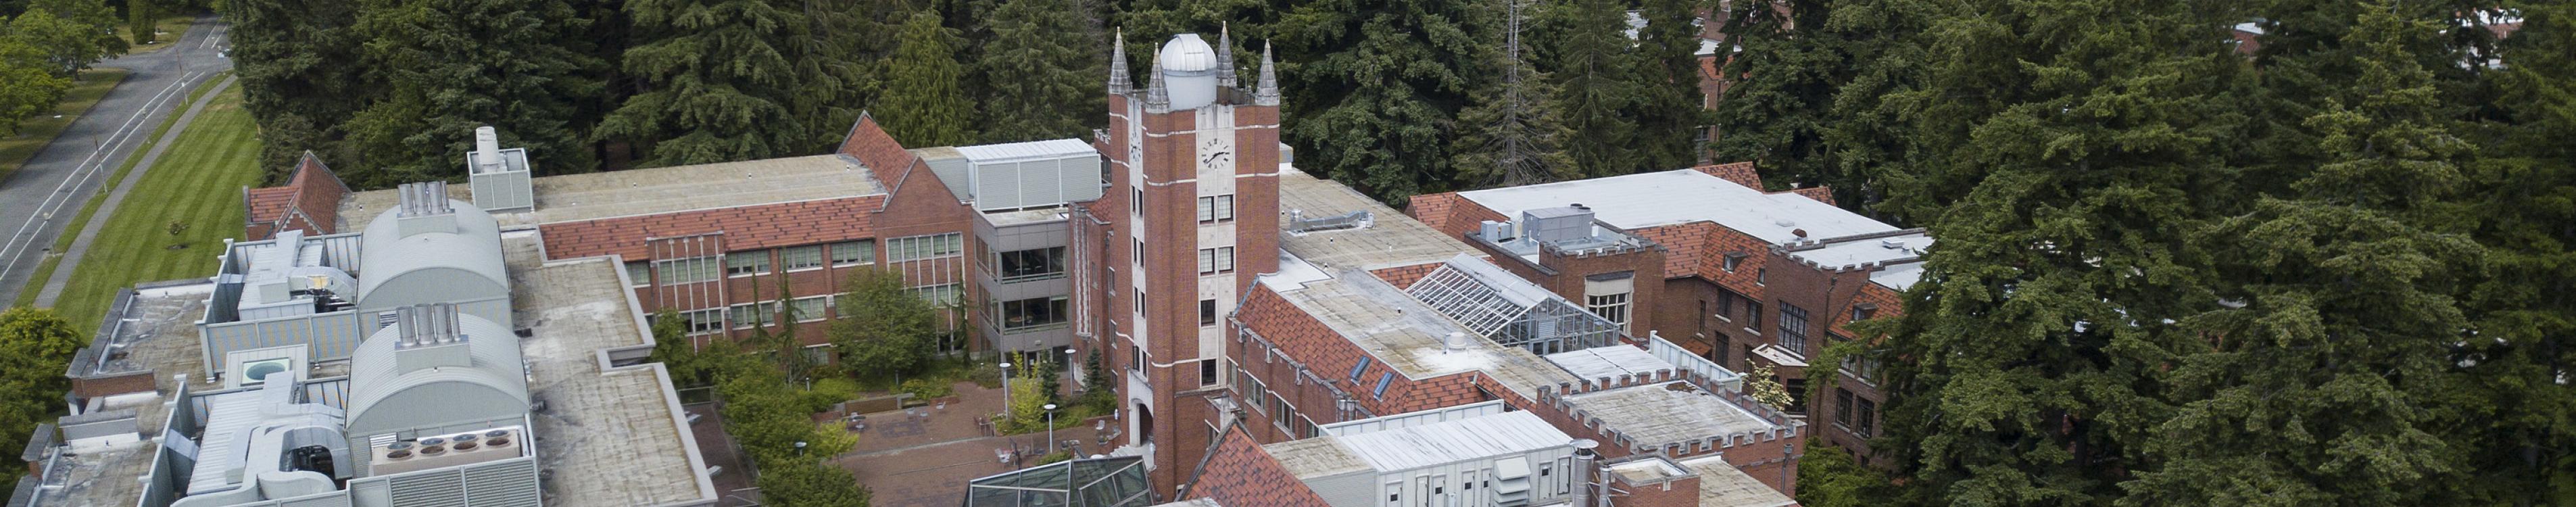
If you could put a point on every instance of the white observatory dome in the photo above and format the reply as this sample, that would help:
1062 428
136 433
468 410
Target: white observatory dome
1187 55
1189 71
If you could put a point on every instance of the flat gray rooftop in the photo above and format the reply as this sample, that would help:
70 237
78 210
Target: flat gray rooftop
1672 412
1406 335
1056 214
1393 240
576 197
611 437
1315 457
158 333
1722 485
1644 200
1893 251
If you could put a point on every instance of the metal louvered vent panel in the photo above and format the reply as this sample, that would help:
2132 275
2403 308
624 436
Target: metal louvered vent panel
436 488
503 484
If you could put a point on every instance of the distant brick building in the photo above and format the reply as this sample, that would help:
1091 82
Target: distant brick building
1710 262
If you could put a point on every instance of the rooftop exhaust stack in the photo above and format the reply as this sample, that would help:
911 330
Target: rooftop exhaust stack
428 338
500 177
425 209
1585 455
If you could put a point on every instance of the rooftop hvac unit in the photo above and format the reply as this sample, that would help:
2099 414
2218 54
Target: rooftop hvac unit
428 453
500 177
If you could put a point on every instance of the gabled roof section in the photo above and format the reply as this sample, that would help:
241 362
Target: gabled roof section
1742 173
312 192
1643 200
878 151
1239 473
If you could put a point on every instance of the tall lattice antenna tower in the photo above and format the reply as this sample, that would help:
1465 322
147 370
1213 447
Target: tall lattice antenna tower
1514 162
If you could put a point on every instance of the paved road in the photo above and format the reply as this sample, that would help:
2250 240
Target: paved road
37 200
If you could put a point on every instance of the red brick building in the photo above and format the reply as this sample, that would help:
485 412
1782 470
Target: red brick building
1247 308
1736 275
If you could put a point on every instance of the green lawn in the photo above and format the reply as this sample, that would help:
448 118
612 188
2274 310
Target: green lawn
53 254
40 129
172 29
198 183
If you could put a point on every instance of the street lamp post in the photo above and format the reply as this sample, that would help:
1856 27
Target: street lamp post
800 448
1006 389
1050 408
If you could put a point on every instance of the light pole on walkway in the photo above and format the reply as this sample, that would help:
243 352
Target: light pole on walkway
1050 408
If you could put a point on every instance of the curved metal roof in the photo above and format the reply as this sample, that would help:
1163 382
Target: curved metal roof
1187 53
493 384
385 254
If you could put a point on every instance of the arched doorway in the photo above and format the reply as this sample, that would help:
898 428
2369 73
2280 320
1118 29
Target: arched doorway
1144 433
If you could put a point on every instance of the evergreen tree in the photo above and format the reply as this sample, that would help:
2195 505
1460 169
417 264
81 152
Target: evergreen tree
1777 103
923 105
832 76
2326 383
2520 410
2065 164
1043 68
1667 108
1374 87
1595 86
716 82
450 66
1514 135
141 21
34 345
296 62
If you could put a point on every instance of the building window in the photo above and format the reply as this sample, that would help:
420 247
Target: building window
1726 304
852 253
1753 317
689 270
747 263
706 321
799 258
1032 313
1793 328
1216 208
1867 418
1207 312
811 309
1863 311
1761 276
1207 372
1136 201
1733 259
1383 379
818 353
946 294
1031 264
639 273
1607 295
1857 366
1136 358
1357 369
931 246
1611 307
1216 260
1140 255
747 315
1842 407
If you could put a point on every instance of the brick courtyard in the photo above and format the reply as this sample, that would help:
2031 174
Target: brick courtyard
925 456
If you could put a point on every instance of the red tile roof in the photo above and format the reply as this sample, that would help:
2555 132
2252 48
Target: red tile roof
1741 173
1238 473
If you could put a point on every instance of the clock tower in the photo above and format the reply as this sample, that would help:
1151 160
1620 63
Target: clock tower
1190 219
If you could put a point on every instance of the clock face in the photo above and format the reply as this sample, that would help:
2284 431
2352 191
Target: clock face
1214 154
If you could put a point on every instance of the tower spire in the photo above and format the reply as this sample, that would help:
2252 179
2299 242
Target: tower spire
1118 82
1158 98
1224 55
1266 93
